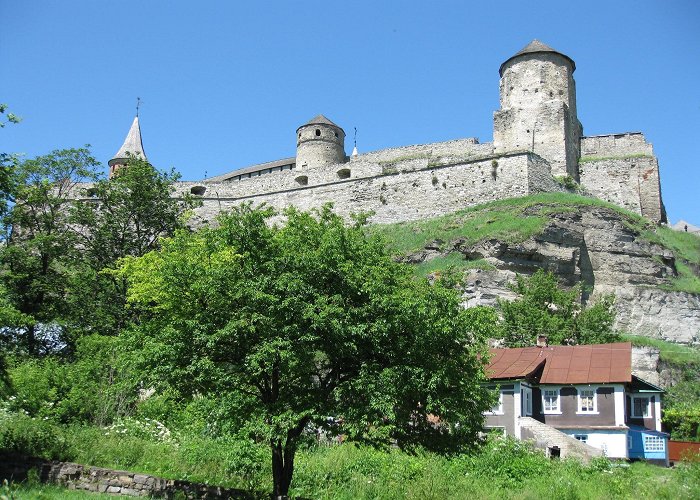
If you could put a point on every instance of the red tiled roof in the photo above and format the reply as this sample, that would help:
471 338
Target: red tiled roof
579 364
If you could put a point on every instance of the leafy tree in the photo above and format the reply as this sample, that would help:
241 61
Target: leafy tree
544 308
8 314
11 117
8 184
42 245
682 406
307 325
126 215
94 386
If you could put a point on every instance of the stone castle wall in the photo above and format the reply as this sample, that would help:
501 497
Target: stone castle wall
622 169
422 182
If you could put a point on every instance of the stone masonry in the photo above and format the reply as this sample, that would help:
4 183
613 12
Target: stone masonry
547 437
108 481
537 137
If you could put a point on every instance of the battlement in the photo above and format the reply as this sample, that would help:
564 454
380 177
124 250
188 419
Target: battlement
537 138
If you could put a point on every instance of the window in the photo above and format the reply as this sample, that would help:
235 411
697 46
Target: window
582 437
550 400
653 443
528 401
498 407
198 190
640 407
586 400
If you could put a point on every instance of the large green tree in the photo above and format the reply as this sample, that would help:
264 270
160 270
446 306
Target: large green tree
308 324
127 215
41 249
544 308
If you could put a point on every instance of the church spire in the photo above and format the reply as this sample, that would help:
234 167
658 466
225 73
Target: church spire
132 145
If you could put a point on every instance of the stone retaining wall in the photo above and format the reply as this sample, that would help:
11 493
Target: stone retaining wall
546 437
116 482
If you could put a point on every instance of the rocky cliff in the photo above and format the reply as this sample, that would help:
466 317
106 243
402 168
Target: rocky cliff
590 244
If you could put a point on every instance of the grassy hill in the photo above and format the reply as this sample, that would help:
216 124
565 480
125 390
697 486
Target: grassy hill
515 220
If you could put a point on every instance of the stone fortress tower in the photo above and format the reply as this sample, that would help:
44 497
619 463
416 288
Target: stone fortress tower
320 143
538 108
537 142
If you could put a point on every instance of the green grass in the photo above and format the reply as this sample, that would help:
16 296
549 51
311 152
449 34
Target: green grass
587 159
515 220
33 491
500 469
506 469
686 281
686 249
670 352
511 220
453 260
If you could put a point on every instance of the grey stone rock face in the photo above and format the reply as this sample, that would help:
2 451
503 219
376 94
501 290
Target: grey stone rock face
592 246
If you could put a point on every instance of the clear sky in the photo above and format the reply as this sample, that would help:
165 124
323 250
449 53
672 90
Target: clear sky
225 84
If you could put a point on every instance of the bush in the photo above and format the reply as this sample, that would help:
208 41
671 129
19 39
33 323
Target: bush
25 435
508 461
93 389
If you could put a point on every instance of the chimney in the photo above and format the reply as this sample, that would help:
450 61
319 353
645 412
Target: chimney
542 341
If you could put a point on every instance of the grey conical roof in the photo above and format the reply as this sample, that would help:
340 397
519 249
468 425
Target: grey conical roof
535 47
132 144
320 120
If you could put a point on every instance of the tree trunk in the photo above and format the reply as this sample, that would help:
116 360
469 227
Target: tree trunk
282 467
31 341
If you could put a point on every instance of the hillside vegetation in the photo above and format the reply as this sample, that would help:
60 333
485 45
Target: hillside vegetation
515 220
500 469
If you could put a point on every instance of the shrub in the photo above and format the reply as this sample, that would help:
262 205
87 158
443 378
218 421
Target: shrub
508 461
25 435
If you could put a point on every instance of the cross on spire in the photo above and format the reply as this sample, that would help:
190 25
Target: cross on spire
138 105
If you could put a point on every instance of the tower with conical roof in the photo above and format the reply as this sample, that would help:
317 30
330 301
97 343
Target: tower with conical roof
132 146
320 142
538 108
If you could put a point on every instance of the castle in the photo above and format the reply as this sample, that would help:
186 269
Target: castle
538 146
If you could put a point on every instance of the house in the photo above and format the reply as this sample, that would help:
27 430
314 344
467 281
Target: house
577 401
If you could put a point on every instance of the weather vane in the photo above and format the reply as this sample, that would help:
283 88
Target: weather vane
138 104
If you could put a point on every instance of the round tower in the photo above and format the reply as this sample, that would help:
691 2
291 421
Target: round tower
538 107
320 142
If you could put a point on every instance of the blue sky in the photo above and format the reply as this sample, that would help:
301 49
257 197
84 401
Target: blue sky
226 84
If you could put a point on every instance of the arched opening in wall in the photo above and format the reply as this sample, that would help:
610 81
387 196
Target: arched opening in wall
92 193
198 190
302 180
318 132
343 173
